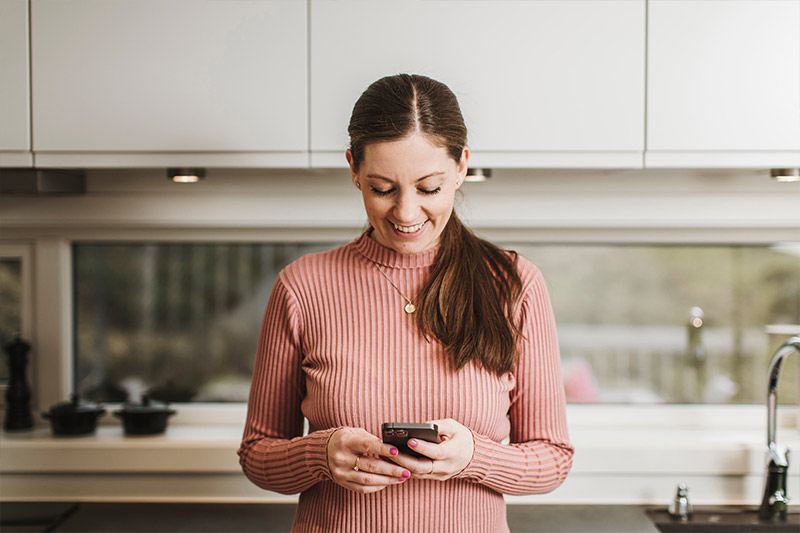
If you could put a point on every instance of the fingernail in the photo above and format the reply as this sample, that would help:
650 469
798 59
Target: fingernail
412 443
401 479
406 474
393 451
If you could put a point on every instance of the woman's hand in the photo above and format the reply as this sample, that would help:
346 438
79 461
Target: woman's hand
355 461
443 460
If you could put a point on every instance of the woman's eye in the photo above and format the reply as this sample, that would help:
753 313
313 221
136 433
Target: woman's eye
386 192
382 192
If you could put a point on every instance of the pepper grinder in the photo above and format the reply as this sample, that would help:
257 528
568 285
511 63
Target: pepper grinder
18 395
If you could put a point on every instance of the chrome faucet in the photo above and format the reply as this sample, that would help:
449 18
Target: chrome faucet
775 501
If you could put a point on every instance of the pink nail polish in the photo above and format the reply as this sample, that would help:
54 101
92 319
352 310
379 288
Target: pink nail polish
393 451
412 443
406 474
401 479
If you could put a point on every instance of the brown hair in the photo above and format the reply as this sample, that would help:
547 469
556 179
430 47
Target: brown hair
468 301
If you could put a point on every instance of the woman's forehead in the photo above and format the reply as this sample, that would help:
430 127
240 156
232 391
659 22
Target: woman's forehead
415 154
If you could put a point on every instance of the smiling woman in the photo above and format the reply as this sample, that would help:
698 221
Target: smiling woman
409 189
416 321
408 155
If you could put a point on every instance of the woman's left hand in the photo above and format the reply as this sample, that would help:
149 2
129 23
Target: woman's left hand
442 460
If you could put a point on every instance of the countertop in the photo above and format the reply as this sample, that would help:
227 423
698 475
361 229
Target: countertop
238 518
277 518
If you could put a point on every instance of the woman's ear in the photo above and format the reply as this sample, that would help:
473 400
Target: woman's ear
349 156
462 167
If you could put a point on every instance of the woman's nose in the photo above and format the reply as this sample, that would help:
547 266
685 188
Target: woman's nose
406 208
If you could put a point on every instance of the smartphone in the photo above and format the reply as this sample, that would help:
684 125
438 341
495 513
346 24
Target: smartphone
397 434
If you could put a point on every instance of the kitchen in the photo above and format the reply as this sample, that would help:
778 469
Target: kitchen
618 125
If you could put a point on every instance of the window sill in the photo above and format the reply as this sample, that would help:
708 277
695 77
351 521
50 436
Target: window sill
638 458
182 448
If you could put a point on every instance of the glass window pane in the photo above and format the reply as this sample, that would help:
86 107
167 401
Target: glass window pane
182 320
624 312
10 306
179 321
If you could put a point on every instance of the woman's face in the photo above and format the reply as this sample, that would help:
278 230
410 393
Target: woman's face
409 187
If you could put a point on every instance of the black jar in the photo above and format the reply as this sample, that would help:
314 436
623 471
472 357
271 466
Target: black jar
74 417
146 418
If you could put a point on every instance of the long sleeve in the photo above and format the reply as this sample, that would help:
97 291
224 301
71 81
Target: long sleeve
273 454
539 454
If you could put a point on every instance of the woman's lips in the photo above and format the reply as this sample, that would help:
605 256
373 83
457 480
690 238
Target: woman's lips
409 230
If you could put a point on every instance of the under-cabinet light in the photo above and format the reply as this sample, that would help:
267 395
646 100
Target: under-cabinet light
186 175
478 174
785 174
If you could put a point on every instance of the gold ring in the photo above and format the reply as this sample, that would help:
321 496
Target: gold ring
431 472
356 466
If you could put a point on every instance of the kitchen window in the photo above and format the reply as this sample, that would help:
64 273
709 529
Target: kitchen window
178 321
671 323
638 323
10 305
15 299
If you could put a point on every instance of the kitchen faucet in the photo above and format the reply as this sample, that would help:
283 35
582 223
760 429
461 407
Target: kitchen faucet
773 505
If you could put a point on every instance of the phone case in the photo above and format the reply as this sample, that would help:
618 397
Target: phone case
397 434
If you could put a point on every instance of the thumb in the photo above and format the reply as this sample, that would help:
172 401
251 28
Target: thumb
447 427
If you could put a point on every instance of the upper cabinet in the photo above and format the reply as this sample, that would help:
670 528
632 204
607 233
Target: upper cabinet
170 82
15 132
272 83
723 83
541 83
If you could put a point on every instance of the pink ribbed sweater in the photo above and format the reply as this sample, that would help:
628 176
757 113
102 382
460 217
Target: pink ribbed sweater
337 348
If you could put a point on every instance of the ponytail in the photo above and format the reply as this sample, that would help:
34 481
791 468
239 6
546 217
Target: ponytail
468 301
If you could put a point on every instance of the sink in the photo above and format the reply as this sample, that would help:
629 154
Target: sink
723 519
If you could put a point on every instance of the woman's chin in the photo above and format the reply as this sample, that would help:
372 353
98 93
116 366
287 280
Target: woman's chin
407 245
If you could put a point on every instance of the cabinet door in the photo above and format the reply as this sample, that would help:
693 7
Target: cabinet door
541 83
723 83
15 136
155 76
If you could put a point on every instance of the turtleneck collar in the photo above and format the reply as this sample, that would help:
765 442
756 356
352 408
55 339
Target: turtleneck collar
389 258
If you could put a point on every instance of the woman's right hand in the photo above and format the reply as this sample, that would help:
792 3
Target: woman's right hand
351 447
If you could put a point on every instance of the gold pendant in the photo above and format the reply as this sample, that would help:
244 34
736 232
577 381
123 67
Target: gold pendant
409 308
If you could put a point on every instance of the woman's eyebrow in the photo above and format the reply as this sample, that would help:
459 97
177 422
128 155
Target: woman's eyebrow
431 175
379 177
388 180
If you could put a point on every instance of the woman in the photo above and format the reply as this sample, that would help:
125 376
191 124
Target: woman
417 320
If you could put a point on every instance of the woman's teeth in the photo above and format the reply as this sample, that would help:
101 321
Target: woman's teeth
409 229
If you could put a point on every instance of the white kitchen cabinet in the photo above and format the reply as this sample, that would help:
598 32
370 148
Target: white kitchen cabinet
723 83
15 132
170 82
541 83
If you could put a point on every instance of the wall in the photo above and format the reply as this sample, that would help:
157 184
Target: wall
643 205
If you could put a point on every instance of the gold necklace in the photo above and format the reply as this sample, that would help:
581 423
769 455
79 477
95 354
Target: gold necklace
409 307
